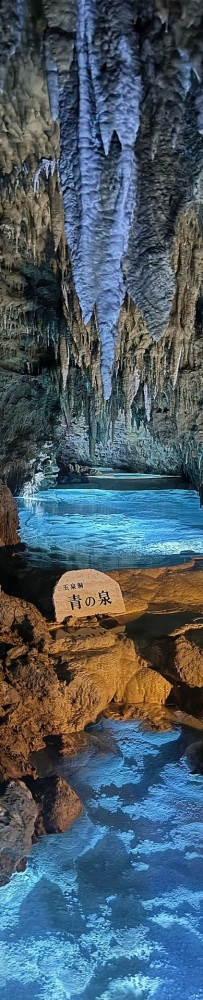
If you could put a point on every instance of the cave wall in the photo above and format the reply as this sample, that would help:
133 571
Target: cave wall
101 298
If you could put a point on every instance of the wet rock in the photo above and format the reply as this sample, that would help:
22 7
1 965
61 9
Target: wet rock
58 805
162 590
55 688
9 522
146 687
189 662
194 757
18 813
53 685
155 717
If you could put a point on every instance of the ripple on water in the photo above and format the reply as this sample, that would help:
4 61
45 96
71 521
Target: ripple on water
113 910
107 530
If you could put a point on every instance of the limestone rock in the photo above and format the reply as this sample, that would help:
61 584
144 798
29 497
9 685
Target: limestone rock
173 588
18 813
84 640
155 716
189 662
58 805
155 419
93 590
9 522
146 687
27 811
57 688
26 623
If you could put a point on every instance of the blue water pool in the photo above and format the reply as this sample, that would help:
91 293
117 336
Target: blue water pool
113 910
111 529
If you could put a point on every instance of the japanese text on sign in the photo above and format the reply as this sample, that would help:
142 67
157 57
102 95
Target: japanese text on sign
85 593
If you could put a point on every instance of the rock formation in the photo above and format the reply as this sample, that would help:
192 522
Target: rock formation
26 813
55 681
18 813
101 282
9 523
101 347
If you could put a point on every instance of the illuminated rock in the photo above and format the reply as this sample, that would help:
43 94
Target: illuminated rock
83 593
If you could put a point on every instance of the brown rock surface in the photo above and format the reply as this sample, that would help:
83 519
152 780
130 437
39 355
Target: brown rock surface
84 640
58 805
146 687
18 813
57 687
27 811
164 589
9 522
156 717
56 683
189 662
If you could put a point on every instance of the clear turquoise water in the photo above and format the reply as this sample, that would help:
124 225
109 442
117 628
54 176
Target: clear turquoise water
107 530
113 910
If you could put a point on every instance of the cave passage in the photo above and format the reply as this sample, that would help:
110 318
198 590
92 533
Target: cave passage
113 910
109 530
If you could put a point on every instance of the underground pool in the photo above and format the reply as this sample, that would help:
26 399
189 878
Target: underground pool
107 529
113 909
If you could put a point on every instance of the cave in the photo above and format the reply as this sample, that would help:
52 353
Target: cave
101 499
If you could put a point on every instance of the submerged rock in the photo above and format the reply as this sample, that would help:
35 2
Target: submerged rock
29 810
18 813
58 805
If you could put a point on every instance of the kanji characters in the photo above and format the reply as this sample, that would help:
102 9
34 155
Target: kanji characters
75 601
104 597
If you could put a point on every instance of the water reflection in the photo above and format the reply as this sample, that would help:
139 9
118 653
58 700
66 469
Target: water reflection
108 530
113 910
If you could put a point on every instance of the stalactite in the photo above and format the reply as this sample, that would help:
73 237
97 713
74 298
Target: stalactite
52 81
64 360
147 402
177 359
46 167
98 165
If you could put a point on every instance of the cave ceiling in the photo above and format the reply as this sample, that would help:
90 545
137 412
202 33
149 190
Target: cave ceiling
101 231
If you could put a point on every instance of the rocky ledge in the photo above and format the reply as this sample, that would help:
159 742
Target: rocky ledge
53 683
55 680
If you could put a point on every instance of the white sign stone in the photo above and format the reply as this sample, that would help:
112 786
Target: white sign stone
86 592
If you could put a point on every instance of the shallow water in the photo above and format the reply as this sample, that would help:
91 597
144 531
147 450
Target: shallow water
113 910
107 530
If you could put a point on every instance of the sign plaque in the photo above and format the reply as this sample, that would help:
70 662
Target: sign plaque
85 593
